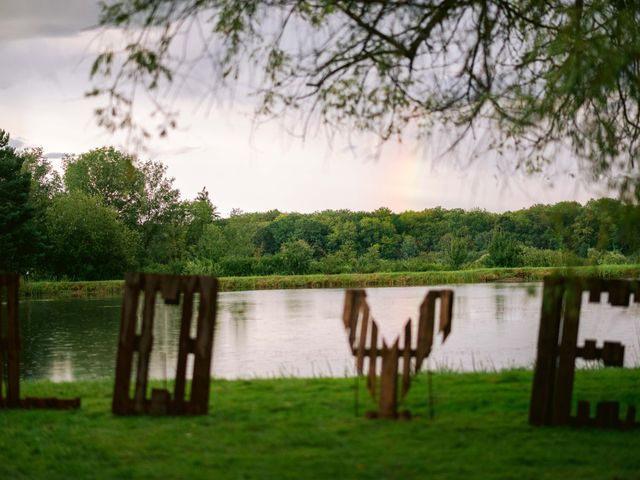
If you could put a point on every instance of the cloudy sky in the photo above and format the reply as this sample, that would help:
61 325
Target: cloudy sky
47 46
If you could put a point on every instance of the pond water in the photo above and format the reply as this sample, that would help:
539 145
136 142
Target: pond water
299 332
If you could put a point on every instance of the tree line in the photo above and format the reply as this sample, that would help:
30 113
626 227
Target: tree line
108 213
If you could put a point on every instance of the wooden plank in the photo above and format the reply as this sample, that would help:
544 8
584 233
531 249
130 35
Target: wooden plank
348 305
159 404
607 415
146 343
13 340
363 338
589 351
199 402
373 356
425 328
50 403
126 340
358 299
10 345
635 288
446 312
388 405
594 285
406 360
183 350
613 354
565 372
550 316
619 293
582 416
170 289
353 299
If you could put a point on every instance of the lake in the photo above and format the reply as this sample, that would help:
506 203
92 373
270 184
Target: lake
299 333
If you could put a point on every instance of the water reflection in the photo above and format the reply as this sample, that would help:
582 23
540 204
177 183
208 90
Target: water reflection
500 311
299 332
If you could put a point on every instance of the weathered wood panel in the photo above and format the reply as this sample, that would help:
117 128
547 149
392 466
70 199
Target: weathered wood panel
551 395
358 323
172 288
10 353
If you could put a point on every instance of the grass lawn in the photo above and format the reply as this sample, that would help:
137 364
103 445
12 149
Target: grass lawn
299 428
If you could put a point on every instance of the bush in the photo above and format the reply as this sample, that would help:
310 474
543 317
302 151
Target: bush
202 266
503 250
456 252
268 265
370 261
536 257
599 257
236 266
483 261
174 267
87 239
296 257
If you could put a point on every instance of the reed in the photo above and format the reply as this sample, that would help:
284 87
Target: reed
107 288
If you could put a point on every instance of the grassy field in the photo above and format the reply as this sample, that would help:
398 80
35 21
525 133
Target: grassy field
361 280
307 428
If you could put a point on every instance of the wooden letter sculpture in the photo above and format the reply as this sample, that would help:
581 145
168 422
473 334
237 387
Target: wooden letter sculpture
170 287
10 348
551 396
363 341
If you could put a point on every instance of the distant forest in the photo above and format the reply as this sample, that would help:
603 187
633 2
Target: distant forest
109 213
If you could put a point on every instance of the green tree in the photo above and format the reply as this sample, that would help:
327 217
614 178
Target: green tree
295 226
343 231
201 213
370 261
212 244
88 241
544 75
409 247
456 251
374 230
142 195
111 176
296 257
242 233
45 181
19 239
503 250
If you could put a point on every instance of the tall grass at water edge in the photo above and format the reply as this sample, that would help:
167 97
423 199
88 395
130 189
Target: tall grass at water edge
110 288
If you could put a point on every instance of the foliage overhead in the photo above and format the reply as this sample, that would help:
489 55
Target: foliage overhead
538 78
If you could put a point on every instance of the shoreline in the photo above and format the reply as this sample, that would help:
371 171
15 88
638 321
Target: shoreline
112 288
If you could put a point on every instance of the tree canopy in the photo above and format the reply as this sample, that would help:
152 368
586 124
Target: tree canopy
106 213
538 78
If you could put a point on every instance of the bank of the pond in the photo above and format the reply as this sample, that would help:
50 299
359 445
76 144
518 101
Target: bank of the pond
307 428
57 289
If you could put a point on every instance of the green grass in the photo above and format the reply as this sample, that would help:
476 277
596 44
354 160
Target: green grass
306 428
52 289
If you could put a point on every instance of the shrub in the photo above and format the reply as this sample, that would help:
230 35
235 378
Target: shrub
236 266
296 257
268 265
503 250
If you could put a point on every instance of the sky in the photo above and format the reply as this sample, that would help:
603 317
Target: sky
47 47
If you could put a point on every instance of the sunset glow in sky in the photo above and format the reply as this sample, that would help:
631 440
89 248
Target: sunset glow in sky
47 47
